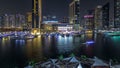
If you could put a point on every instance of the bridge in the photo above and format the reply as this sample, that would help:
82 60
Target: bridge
10 29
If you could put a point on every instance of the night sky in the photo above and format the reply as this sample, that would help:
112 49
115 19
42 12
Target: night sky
57 8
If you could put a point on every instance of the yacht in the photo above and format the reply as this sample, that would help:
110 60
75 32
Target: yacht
30 37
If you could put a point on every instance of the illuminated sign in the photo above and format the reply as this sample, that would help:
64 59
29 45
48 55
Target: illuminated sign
46 22
64 28
88 16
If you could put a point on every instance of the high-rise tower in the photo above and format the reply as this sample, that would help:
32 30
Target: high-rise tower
36 15
105 15
98 17
117 13
74 13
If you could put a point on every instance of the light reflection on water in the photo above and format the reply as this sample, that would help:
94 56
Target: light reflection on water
108 47
65 44
19 52
114 47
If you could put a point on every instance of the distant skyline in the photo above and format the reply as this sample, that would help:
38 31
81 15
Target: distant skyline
57 8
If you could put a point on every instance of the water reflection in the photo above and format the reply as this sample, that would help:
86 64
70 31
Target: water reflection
20 52
65 44
113 47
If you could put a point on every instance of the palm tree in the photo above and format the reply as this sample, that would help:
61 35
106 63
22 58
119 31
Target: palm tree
61 57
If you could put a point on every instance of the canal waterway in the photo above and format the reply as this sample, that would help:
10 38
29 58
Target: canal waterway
18 52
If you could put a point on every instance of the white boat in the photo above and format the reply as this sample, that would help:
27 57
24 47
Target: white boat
30 37
76 34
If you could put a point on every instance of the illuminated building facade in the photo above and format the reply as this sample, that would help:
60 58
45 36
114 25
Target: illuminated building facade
105 15
98 17
49 18
36 13
12 20
20 20
64 20
62 27
29 20
117 13
65 29
74 13
89 20
36 16
6 20
1 22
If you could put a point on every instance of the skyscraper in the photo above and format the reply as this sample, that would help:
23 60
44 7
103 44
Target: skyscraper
89 19
29 20
1 21
20 20
117 13
36 16
6 20
105 15
12 21
74 13
98 17
36 13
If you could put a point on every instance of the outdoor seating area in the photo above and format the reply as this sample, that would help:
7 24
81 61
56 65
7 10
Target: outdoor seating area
72 62
99 64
